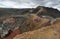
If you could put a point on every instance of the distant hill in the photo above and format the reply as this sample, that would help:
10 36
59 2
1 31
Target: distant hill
12 11
46 11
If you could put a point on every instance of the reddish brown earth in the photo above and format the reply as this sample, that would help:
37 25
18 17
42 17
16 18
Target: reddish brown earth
49 32
34 20
42 28
13 34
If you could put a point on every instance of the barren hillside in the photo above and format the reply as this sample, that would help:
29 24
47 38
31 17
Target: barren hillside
31 23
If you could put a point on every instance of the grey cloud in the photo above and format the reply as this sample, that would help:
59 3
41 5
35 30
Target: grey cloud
31 3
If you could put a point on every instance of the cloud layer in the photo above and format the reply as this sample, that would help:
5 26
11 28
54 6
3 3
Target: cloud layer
29 3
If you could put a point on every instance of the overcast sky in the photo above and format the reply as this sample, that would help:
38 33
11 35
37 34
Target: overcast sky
29 3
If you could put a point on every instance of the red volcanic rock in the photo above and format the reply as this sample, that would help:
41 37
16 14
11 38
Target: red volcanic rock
13 34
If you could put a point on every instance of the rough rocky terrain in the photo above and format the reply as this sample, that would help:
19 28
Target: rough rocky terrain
36 23
50 32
